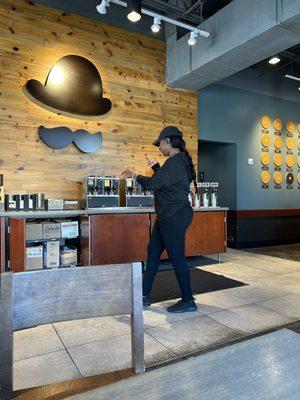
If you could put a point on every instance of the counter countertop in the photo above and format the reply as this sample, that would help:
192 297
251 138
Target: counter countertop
104 210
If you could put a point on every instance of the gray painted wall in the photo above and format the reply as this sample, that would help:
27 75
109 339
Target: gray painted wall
231 115
211 156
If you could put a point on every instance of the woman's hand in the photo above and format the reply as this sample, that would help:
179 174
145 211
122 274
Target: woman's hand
134 174
151 161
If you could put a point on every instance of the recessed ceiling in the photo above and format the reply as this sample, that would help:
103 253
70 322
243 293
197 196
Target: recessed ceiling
270 79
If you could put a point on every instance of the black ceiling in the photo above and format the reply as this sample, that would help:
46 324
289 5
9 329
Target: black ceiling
189 11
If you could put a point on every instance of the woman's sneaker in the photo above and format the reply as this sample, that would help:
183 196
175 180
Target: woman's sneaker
183 306
146 301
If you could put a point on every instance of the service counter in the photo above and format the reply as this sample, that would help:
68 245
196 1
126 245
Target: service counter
112 235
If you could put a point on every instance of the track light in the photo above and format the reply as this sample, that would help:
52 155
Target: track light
274 60
156 25
134 10
295 78
101 8
134 14
192 40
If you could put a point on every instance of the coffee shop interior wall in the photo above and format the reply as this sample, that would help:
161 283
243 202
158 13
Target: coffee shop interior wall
132 68
229 134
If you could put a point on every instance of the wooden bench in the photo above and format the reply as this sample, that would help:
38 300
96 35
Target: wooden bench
28 299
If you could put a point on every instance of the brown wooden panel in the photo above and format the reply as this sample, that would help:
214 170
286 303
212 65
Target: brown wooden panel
17 244
133 72
136 237
2 244
106 239
195 236
85 250
215 232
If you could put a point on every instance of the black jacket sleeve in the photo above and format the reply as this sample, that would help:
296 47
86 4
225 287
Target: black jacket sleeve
163 177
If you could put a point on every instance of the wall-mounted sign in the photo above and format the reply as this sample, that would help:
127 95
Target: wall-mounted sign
277 124
290 126
278 160
265 122
265 140
278 142
61 137
73 88
278 178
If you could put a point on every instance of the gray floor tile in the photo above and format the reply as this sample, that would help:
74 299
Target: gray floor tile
255 293
157 315
44 369
288 282
193 334
216 301
287 305
36 341
75 333
250 318
115 354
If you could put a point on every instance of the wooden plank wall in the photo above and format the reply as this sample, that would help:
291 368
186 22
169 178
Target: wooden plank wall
132 67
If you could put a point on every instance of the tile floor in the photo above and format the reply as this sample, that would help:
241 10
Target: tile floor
68 350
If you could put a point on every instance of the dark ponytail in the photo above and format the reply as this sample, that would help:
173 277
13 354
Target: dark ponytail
178 143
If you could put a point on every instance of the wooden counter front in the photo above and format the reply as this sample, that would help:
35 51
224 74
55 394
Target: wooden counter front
120 237
206 234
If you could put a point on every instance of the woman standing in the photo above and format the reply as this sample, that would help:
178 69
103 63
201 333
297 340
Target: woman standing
171 186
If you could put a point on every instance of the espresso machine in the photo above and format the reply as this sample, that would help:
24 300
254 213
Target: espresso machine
1 193
133 194
102 191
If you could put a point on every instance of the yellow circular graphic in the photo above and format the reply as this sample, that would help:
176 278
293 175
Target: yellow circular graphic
299 144
290 143
278 142
290 161
265 122
278 177
265 158
265 177
298 178
298 127
298 161
277 160
290 126
265 140
277 124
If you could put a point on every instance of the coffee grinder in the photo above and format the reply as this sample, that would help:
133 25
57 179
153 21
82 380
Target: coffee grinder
133 194
102 191
213 195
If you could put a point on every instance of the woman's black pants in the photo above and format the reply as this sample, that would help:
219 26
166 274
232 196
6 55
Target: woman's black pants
169 234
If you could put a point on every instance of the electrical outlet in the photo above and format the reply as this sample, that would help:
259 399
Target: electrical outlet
250 161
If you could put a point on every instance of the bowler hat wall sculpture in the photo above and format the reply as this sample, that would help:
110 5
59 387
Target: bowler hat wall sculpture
72 88
61 137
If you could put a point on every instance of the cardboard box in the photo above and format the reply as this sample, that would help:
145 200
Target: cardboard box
69 229
68 256
51 230
34 257
51 254
34 231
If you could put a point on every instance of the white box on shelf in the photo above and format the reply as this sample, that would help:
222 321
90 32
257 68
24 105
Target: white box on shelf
69 229
51 230
51 254
34 257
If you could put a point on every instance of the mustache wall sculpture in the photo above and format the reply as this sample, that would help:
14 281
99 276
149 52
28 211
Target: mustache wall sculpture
61 137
